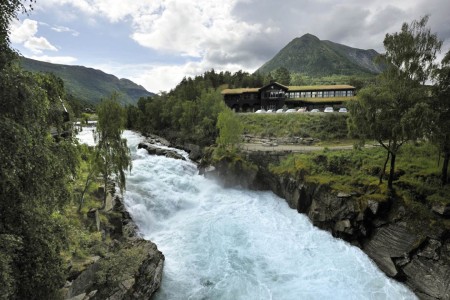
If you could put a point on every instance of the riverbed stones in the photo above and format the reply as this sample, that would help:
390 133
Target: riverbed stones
154 150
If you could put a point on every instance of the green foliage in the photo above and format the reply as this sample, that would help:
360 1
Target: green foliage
394 109
9 10
358 171
191 121
36 172
441 131
230 130
112 155
281 75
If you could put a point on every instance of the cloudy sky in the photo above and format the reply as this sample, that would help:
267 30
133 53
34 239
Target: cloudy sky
157 42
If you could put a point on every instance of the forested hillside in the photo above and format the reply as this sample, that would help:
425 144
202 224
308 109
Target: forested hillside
87 84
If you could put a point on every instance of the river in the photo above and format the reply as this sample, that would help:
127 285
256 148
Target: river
231 243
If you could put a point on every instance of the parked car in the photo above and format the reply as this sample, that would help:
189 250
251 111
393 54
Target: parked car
328 109
269 111
301 110
291 110
279 111
315 110
343 110
260 111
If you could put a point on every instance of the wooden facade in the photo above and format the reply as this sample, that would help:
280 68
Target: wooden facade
275 96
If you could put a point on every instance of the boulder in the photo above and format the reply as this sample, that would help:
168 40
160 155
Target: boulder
391 241
94 216
342 226
428 278
154 150
84 282
373 206
441 209
148 277
195 152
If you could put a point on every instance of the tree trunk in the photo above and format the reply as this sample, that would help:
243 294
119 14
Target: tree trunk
86 187
384 168
391 172
444 178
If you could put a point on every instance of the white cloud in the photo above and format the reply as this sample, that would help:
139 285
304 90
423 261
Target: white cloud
65 60
156 77
65 29
25 33
241 34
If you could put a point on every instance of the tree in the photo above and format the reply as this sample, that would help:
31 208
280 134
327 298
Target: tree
35 172
230 130
112 153
441 103
9 10
282 76
394 110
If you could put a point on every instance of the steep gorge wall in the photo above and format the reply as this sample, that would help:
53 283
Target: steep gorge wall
403 245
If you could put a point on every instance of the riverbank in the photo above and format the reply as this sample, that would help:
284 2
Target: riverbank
407 240
106 257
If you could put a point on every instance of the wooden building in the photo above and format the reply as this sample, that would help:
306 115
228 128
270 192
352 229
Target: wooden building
275 96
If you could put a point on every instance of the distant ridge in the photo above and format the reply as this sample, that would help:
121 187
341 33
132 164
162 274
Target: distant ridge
311 56
89 84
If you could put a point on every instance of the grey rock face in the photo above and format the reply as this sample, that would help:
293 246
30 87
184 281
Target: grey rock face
404 247
154 150
148 278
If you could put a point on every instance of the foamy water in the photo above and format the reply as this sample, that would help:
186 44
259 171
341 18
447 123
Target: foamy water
238 244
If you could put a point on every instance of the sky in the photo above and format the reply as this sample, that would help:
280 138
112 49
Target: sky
156 43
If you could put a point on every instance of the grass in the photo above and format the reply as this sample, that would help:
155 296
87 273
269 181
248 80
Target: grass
358 171
322 126
83 240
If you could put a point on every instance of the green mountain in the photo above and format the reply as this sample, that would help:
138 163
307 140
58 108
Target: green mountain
310 56
87 84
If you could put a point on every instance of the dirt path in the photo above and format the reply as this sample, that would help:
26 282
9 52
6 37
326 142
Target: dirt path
291 148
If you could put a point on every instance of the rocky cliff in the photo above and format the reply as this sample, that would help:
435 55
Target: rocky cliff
129 253
404 245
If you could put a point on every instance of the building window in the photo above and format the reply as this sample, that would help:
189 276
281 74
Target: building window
313 94
350 93
320 94
331 94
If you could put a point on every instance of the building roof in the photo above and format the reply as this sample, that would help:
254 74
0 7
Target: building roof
239 91
300 88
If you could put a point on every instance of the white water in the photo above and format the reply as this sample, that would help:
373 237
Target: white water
239 244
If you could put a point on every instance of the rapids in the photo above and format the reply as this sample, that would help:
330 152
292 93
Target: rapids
231 243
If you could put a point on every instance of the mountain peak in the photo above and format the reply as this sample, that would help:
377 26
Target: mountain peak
310 56
309 36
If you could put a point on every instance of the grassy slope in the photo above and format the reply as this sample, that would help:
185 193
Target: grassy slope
322 126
